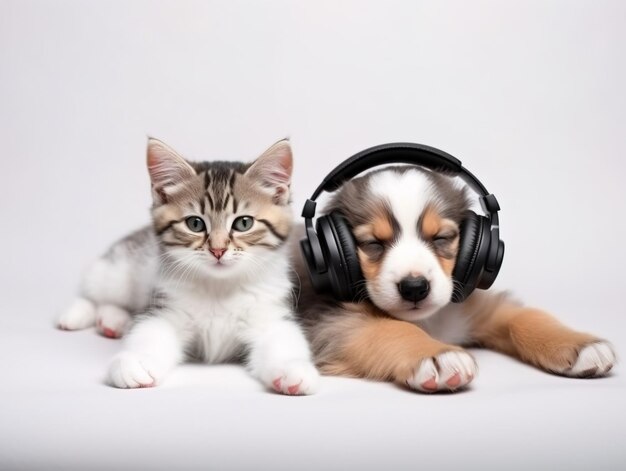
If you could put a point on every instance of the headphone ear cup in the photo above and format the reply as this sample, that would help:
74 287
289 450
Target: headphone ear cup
340 258
473 245
319 279
351 266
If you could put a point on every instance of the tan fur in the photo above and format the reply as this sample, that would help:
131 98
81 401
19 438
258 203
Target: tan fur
381 228
529 334
362 232
431 222
369 267
359 340
279 216
368 343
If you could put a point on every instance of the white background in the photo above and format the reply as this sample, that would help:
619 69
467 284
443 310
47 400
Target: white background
528 94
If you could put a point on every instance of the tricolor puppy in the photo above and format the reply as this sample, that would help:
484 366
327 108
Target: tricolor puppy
398 237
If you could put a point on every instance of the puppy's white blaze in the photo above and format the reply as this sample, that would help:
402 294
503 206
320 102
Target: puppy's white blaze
408 195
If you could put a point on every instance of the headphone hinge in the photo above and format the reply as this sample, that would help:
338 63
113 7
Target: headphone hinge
308 212
489 203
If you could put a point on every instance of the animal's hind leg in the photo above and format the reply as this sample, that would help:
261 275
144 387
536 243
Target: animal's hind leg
81 314
112 321
541 340
106 294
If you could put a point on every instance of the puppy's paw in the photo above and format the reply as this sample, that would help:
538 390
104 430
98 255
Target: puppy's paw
594 360
295 378
133 370
112 321
447 371
80 315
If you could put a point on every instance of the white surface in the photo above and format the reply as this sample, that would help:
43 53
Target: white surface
528 94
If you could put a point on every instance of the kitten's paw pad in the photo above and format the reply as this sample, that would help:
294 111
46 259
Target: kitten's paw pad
593 361
447 371
80 315
112 321
297 378
131 370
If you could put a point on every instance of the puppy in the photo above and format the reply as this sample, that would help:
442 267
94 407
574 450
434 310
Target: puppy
406 221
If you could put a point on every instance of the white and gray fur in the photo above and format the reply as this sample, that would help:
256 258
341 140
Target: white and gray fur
215 295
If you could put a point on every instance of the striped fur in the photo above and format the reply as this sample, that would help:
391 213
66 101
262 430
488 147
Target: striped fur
205 284
218 192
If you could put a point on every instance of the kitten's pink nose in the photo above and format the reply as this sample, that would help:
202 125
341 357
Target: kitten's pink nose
217 253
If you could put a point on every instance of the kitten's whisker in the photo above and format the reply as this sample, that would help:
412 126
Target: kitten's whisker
189 260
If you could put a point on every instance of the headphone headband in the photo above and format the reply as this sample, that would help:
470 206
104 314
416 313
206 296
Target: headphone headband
402 153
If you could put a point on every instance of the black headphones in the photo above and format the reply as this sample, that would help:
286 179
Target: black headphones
330 249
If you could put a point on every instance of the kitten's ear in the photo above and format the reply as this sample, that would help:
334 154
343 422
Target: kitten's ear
273 171
167 169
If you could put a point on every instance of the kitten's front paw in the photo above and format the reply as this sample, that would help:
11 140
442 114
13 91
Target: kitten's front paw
447 371
594 360
132 370
296 378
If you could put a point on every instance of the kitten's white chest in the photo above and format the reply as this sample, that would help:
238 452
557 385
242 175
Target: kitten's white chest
215 323
219 318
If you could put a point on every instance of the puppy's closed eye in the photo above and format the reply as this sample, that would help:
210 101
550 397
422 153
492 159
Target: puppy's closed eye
372 248
444 243
445 236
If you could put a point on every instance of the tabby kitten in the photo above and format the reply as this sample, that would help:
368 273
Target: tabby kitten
210 279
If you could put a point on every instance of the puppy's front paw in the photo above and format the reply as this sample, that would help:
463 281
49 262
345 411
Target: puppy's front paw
594 360
295 378
447 371
132 370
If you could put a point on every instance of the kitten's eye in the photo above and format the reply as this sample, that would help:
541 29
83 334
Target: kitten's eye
243 223
195 223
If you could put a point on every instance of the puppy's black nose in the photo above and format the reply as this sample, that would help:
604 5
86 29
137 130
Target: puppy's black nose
413 288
